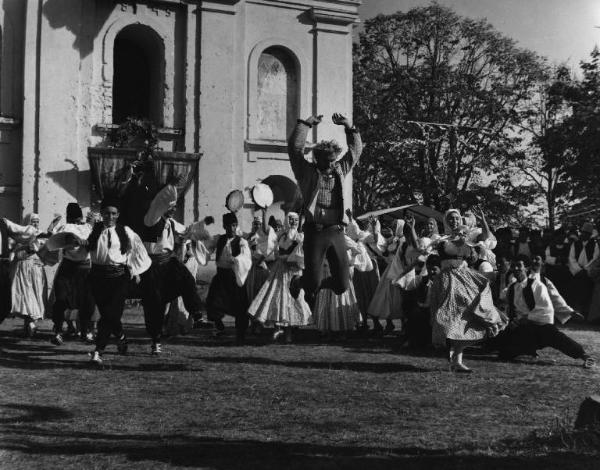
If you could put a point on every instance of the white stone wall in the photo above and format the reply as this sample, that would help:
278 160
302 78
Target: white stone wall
211 51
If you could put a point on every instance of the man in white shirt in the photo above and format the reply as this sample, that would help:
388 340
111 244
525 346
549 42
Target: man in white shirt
581 254
168 278
7 230
71 286
117 254
227 294
531 309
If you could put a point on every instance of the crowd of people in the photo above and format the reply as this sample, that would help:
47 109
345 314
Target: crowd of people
443 284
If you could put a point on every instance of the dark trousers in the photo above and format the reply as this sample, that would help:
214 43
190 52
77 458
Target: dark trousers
5 297
72 290
165 281
225 297
110 294
418 328
582 288
327 243
528 338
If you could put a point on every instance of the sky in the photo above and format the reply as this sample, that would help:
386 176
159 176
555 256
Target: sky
562 30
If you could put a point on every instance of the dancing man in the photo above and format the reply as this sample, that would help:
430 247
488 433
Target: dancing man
167 278
322 186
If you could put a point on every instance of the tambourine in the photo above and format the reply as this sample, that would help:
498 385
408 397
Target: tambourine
262 195
234 200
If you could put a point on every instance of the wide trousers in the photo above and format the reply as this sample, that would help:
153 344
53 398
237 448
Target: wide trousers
330 243
110 294
72 291
166 280
528 338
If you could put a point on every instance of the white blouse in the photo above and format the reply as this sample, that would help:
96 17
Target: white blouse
106 253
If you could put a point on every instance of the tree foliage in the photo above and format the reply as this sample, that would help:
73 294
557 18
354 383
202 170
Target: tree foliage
431 65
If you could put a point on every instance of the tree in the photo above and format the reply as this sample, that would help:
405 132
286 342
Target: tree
542 163
430 65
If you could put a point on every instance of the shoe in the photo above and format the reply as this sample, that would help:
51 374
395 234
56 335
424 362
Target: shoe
57 339
88 338
95 357
156 349
588 362
388 329
460 368
295 286
122 345
277 334
30 330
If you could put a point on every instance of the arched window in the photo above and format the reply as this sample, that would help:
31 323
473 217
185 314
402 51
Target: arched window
277 94
138 75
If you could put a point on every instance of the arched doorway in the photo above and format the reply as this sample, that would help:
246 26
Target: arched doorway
138 75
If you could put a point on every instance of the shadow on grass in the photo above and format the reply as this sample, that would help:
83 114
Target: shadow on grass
233 454
381 368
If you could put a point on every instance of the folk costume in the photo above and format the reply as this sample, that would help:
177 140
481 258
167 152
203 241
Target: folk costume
340 313
73 299
227 294
9 229
28 278
461 299
274 304
324 211
117 254
168 278
263 246
531 307
582 253
365 282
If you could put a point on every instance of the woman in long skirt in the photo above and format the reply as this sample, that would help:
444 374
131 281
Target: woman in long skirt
461 301
274 304
29 286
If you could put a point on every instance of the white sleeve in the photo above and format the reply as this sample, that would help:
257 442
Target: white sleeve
410 281
137 258
550 260
165 199
573 264
242 263
15 229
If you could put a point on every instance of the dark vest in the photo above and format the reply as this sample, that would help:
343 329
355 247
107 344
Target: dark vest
235 246
4 235
589 249
153 234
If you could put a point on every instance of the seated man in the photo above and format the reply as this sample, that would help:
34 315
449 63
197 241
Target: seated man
531 309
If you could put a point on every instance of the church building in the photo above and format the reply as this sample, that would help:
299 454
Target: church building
223 81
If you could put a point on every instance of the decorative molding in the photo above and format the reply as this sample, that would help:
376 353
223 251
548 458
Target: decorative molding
259 149
229 7
332 17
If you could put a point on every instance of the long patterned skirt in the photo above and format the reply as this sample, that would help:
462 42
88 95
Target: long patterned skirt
275 305
336 312
29 288
462 307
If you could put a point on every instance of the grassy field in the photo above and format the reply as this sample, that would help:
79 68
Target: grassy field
357 404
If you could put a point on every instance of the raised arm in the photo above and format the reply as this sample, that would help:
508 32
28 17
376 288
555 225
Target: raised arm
353 141
297 142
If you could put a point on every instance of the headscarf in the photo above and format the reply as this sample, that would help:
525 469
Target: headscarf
435 226
29 218
447 229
